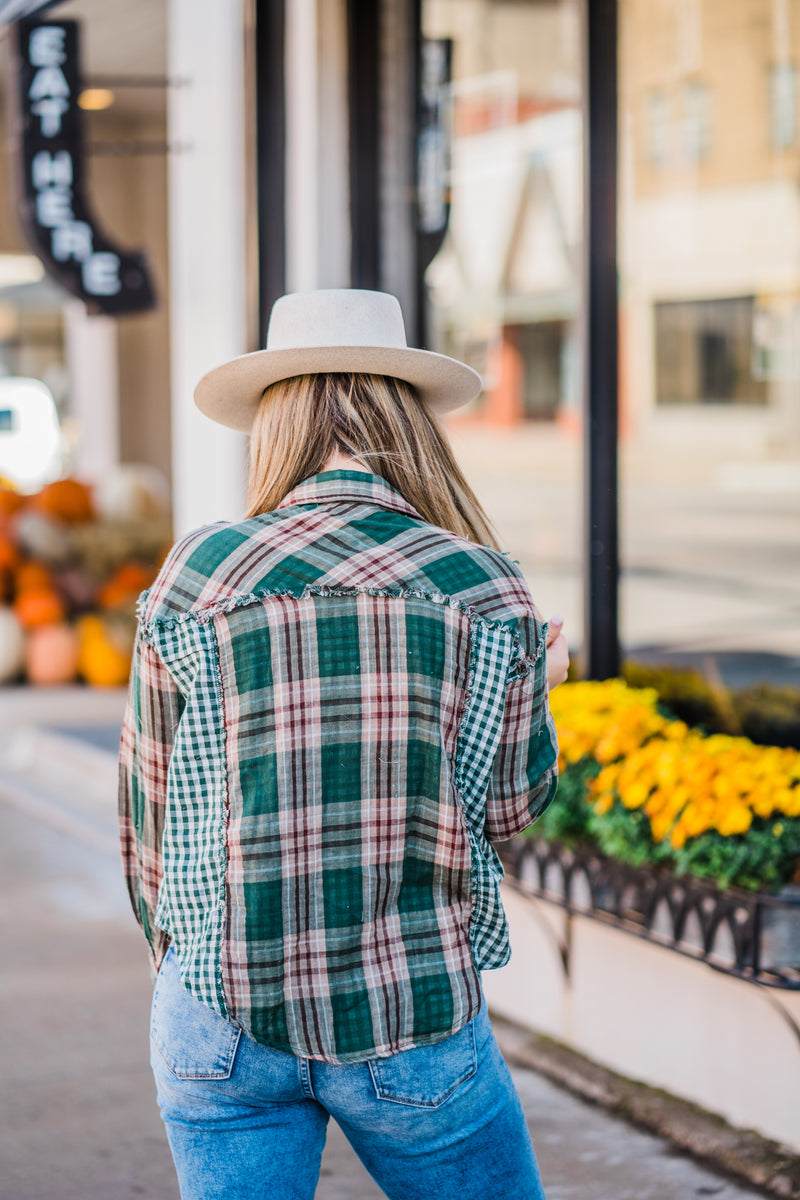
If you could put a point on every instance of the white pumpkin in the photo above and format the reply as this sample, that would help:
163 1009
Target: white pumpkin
45 538
133 492
12 646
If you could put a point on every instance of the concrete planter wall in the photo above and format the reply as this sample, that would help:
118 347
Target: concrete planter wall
727 1043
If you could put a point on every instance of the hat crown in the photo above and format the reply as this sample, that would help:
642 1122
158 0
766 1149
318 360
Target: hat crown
336 317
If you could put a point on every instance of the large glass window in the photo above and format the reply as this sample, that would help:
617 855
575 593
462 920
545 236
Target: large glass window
709 301
709 258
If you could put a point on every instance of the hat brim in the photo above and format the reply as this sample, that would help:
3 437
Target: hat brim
231 393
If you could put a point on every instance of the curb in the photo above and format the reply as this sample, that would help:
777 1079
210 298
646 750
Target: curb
743 1155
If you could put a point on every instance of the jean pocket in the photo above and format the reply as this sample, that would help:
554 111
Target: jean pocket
427 1075
193 1040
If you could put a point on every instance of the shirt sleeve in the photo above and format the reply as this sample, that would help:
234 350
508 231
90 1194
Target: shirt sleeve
153 711
525 770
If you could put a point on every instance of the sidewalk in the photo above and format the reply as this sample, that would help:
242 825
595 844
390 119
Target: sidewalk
78 1119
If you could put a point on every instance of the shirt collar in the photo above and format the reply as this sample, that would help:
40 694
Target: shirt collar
353 487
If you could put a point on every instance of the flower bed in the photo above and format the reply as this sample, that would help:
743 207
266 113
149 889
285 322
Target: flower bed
645 788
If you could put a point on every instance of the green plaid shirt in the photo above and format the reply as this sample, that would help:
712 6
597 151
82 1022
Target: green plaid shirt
335 709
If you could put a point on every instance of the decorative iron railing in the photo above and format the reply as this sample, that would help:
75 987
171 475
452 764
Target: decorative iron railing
753 935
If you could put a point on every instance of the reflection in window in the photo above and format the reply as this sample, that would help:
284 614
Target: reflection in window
504 287
783 105
658 129
696 122
704 353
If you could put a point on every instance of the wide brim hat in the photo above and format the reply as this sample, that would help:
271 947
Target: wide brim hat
335 330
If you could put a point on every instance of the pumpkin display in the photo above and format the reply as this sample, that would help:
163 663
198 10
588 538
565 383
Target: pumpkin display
12 646
71 571
39 606
68 500
51 655
104 651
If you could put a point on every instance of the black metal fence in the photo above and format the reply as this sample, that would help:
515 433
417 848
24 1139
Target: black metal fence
752 935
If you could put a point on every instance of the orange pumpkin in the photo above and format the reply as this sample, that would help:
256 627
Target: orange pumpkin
104 660
9 559
33 576
67 499
39 606
124 585
9 555
10 501
51 655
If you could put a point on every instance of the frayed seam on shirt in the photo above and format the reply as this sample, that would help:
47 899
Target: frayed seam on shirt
522 663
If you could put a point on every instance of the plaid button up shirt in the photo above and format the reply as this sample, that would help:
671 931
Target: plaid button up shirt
335 709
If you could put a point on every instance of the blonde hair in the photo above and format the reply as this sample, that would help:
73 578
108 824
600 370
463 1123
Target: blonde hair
377 420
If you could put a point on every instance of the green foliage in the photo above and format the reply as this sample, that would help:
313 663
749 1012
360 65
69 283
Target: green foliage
763 859
567 818
625 834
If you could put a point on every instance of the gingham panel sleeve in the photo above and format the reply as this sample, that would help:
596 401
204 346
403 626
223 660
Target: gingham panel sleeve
525 770
153 711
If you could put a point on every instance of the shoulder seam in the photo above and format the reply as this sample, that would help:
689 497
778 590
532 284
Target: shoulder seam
521 661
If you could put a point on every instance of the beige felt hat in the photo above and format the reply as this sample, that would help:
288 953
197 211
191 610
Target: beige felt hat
329 331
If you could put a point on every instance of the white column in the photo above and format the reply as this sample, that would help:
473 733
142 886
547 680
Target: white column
207 249
333 198
317 180
302 146
92 364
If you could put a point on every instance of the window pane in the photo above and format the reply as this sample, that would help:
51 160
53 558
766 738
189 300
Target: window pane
705 353
503 282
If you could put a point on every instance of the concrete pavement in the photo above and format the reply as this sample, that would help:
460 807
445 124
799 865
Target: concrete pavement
78 1119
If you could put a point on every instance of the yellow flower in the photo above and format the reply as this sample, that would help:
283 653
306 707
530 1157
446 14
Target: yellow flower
660 826
678 837
603 805
791 805
635 795
777 829
697 818
734 819
763 803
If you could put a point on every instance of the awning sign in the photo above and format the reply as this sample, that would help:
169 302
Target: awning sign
53 207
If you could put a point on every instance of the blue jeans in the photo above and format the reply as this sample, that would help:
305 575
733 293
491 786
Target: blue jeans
245 1121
